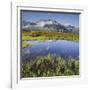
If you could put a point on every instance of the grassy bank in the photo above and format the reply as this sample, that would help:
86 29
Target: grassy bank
25 45
42 36
49 65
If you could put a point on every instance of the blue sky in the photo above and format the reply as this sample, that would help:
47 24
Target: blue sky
63 18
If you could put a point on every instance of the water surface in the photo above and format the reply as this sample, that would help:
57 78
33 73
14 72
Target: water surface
63 48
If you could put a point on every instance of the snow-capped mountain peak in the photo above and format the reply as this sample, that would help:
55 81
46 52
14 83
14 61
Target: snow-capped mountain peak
44 22
50 25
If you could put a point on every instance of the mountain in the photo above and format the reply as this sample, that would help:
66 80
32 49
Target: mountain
72 29
48 24
43 22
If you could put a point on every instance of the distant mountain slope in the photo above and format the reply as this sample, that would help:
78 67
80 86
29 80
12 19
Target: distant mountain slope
48 25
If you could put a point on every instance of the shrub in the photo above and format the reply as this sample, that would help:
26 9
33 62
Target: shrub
50 65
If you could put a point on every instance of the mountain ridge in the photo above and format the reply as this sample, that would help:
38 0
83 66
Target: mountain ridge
50 25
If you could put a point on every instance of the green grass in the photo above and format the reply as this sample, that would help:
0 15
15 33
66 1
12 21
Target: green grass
26 38
42 36
25 45
50 65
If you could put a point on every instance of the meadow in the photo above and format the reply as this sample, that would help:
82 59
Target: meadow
50 65
44 35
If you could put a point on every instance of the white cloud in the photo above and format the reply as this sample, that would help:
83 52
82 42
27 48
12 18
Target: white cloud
66 24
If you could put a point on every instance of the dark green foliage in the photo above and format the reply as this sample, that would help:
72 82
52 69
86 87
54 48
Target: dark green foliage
50 65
